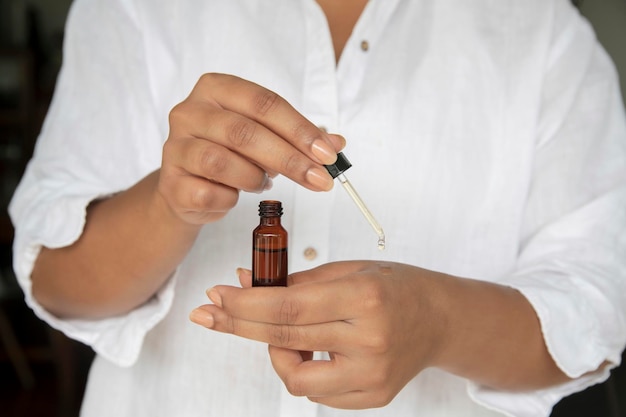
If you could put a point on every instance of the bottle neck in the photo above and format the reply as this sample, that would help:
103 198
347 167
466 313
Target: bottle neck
270 220
270 212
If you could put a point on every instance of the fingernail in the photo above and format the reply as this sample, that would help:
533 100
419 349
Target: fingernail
215 297
240 271
324 152
202 317
319 178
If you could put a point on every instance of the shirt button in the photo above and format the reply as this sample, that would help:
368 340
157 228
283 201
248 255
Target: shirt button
310 253
365 46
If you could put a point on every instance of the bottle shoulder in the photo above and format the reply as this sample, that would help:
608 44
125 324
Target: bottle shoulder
269 228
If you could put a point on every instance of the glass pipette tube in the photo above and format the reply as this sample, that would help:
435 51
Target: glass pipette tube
336 170
366 212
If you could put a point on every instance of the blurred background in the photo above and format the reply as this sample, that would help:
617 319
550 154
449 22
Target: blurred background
43 373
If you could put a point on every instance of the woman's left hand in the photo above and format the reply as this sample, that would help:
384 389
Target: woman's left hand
380 323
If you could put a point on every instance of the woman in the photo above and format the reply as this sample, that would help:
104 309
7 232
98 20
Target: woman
488 138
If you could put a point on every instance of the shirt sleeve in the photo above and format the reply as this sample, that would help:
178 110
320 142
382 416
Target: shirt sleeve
95 141
572 264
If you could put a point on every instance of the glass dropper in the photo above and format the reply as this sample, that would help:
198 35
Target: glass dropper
337 170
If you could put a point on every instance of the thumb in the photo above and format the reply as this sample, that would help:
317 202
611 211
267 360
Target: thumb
245 277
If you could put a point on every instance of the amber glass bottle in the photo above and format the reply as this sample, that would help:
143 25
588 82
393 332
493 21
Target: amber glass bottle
269 247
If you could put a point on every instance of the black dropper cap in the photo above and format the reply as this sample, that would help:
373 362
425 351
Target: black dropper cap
339 167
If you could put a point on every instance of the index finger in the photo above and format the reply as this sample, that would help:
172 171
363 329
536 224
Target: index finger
312 303
324 272
271 110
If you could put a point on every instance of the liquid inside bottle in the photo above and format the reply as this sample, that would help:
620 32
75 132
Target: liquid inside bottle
269 247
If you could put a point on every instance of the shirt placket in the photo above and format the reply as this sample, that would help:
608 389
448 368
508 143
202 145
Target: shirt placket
325 87
311 233
353 64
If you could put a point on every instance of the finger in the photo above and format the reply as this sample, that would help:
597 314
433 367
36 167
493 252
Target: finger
245 277
339 142
256 142
269 109
332 383
314 378
312 303
209 160
197 199
314 337
202 316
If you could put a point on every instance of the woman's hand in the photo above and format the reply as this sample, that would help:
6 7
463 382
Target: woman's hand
231 134
378 321
382 323
228 135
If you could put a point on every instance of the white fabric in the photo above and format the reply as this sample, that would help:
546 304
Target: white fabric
488 138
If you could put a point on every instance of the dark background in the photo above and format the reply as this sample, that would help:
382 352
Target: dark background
43 373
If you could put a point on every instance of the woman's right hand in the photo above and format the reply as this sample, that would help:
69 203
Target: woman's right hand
230 135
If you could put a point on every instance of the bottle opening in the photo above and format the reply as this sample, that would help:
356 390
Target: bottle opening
270 208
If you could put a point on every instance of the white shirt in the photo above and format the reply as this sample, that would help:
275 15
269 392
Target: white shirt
488 138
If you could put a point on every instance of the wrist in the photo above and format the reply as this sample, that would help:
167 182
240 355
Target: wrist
491 335
444 323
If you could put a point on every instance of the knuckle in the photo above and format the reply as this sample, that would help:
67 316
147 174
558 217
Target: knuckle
241 133
212 161
282 335
295 386
265 101
305 133
201 198
373 296
176 112
179 114
230 325
293 163
379 343
289 312
206 78
209 78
